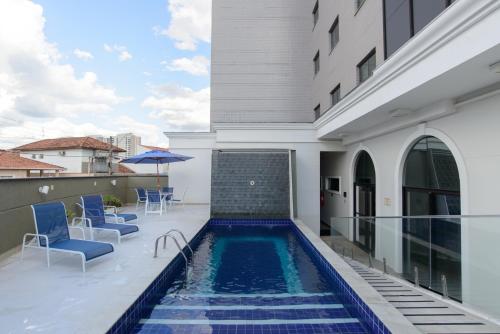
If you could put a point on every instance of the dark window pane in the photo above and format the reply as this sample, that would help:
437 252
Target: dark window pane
317 111
397 24
430 164
366 67
315 13
334 34
335 95
426 10
365 171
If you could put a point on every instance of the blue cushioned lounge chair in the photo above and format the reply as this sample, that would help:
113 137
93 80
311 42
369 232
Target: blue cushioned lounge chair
52 234
141 197
155 202
97 219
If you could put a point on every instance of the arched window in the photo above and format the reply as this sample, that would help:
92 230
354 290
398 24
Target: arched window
431 180
431 187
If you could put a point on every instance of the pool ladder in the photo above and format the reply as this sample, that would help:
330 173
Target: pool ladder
169 235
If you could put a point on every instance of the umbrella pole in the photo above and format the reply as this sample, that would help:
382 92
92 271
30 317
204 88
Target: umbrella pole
157 176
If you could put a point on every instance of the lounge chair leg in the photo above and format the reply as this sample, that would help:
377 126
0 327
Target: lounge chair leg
119 237
83 262
48 256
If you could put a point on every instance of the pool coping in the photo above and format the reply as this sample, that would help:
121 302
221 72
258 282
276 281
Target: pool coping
374 310
393 320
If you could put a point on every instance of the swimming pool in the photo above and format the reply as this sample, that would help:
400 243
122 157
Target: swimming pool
248 276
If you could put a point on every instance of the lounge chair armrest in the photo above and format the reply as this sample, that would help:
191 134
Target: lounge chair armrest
80 229
35 235
114 208
81 221
116 219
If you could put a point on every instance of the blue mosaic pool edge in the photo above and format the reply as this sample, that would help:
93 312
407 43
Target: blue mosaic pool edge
361 308
135 312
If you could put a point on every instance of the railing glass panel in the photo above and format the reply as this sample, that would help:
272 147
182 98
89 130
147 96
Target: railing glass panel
463 251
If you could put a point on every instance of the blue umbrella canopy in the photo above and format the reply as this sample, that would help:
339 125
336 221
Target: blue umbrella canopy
156 157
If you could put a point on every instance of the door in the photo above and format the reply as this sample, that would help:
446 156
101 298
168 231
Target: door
364 206
432 244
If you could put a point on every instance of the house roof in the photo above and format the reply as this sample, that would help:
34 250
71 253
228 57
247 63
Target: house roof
68 143
12 160
124 169
155 148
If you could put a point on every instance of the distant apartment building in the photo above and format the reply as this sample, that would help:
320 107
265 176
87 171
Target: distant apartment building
78 155
386 108
126 141
12 165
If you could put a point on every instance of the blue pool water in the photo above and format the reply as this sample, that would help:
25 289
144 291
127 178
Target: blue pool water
249 279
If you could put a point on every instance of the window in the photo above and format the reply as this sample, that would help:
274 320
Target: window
33 156
404 18
316 63
317 111
40 156
315 14
334 34
366 67
333 184
335 95
359 3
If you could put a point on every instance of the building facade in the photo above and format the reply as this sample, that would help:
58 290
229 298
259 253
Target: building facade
388 108
78 155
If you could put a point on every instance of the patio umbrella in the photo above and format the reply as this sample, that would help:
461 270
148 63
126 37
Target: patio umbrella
156 157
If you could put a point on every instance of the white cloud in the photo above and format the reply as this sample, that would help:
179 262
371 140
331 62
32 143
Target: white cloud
198 65
123 54
190 23
146 73
34 83
181 108
83 55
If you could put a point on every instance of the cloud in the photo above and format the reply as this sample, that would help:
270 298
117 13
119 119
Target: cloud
34 83
148 74
190 23
181 108
123 54
83 55
198 65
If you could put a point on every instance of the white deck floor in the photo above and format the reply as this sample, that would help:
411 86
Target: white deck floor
63 299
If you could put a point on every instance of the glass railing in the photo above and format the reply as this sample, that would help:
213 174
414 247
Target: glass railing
456 256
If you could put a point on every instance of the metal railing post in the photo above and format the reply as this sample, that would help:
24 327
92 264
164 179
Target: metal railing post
370 263
415 270
352 253
444 285
385 266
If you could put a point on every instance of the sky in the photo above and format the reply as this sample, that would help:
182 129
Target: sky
94 67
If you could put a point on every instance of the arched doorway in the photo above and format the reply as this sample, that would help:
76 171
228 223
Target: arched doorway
364 202
431 187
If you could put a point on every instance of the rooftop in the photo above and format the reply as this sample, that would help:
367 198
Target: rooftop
68 143
12 160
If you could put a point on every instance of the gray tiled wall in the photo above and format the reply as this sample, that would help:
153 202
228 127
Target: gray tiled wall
233 195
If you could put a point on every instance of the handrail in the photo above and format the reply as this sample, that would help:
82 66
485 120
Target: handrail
165 236
183 238
423 217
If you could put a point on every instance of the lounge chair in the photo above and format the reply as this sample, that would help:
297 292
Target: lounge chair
141 197
174 200
155 202
52 234
95 218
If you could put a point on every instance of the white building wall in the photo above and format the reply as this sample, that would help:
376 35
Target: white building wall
261 61
72 160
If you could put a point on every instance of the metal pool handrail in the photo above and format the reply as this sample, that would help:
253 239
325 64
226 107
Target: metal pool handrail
183 238
165 236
